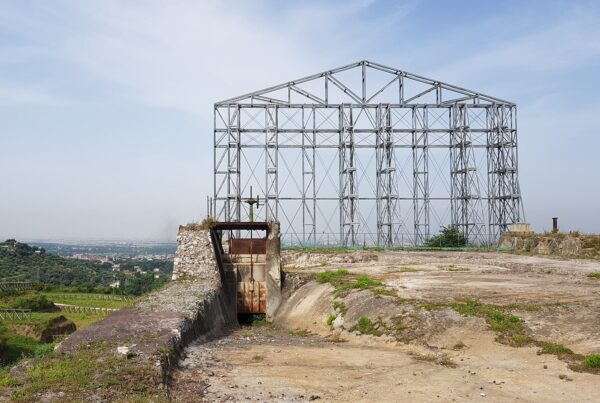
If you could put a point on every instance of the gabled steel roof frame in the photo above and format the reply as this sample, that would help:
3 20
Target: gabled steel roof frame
437 116
329 74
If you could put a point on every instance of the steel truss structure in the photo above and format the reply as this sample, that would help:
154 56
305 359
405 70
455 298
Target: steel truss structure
368 154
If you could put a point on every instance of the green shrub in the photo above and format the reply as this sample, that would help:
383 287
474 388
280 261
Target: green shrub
366 326
594 274
592 361
330 319
450 237
11 293
36 303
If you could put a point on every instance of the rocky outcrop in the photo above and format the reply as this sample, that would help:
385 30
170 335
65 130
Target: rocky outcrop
572 244
321 258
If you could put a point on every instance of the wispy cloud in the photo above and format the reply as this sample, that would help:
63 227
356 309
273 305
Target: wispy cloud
186 55
571 43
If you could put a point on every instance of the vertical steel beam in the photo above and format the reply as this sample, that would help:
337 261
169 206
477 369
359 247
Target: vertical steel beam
233 202
420 147
386 197
465 198
348 193
271 162
503 187
308 176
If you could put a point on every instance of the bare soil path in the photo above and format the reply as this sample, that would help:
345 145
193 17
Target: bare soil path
272 365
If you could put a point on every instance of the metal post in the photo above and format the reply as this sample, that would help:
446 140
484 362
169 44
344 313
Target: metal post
420 175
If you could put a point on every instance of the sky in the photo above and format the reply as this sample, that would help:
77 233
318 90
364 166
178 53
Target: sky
106 106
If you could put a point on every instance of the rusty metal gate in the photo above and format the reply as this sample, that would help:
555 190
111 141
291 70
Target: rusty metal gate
252 297
248 257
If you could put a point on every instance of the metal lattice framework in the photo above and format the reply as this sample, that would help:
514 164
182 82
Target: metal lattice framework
368 154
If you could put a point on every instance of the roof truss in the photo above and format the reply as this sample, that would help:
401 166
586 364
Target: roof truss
339 86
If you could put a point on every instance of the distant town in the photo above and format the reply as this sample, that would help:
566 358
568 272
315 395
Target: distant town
127 258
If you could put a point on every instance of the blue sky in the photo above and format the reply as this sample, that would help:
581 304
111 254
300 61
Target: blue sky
106 106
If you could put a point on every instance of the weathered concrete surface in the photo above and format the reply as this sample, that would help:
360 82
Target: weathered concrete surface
273 269
425 354
566 300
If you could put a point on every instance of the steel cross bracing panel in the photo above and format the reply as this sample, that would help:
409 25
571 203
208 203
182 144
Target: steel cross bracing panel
465 199
368 154
387 207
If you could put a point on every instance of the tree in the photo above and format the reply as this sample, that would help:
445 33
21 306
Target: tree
450 237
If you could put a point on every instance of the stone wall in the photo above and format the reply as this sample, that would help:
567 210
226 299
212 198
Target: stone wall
571 244
195 254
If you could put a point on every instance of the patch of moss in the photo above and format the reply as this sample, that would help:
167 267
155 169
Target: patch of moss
554 348
384 291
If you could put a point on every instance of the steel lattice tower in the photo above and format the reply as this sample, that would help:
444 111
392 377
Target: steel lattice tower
368 154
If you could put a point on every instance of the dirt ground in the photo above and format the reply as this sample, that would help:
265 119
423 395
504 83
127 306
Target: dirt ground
441 354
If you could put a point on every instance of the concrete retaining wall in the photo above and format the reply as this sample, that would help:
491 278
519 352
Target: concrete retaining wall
273 269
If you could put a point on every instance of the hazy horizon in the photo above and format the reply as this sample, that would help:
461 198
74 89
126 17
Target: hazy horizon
107 106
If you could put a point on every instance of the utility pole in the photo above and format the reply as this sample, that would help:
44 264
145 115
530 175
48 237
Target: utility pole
251 202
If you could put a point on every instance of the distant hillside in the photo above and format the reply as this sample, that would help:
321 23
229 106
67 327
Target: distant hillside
21 262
